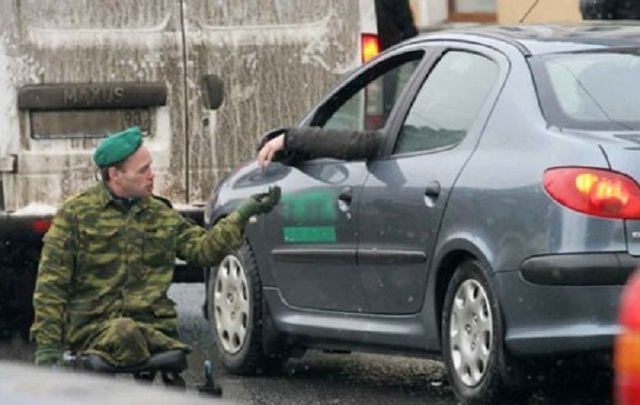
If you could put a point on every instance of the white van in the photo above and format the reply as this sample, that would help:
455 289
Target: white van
73 71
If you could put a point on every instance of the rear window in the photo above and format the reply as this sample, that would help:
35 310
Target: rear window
592 91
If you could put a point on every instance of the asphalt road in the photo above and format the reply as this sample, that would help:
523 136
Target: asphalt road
320 378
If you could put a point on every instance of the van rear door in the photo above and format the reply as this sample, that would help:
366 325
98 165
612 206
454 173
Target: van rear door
71 72
276 59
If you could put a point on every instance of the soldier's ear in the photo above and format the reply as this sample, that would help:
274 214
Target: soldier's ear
113 172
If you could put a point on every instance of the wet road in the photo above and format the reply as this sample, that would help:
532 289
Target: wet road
320 378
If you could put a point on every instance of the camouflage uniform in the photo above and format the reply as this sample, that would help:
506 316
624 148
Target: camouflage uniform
105 271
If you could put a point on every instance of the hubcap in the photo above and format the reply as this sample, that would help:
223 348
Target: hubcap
231 303
471 332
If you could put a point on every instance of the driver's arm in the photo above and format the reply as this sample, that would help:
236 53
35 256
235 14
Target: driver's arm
318 142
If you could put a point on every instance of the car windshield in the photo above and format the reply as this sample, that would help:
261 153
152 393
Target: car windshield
591 91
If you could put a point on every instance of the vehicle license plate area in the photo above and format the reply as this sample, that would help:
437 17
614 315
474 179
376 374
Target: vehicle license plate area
71 124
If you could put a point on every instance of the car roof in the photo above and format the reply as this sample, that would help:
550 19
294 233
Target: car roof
536 39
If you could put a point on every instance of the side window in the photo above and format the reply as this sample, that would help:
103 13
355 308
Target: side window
448 102
368 107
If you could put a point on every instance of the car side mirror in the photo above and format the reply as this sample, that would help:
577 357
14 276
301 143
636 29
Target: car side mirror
213 89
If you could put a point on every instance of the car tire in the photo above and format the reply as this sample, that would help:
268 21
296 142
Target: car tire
473 337
237 316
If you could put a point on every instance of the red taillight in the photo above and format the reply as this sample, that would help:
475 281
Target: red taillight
627 346
370 47
40 225
598 192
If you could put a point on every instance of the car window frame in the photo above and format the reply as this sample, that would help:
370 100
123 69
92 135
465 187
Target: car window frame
361 78
358 79
439 48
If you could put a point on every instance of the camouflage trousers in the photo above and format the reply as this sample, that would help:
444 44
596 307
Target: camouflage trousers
124 342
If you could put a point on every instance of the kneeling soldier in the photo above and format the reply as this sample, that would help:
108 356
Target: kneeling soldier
108 259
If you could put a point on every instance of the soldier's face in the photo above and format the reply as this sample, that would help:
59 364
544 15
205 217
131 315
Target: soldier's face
135 179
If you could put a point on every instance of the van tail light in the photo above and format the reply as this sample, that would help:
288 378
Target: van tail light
627 346
597 192
370 47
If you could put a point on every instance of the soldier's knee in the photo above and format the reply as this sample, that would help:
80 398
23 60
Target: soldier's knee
126 328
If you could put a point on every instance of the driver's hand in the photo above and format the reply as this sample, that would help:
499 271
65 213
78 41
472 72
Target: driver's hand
269 149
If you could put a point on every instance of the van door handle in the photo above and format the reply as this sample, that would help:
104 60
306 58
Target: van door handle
213 90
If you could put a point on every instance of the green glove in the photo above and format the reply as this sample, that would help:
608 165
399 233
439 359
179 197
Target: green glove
259 203
49 355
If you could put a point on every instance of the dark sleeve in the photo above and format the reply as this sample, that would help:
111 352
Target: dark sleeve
404 20
333 143
395 22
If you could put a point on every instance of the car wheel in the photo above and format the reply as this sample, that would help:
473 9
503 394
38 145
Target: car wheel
236 315
472 335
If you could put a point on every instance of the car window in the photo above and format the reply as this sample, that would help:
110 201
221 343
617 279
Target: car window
448 102
589 90
369 106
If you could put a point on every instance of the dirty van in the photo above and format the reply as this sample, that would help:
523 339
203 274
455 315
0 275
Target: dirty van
72 72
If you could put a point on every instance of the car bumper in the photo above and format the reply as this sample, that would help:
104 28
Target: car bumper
561 312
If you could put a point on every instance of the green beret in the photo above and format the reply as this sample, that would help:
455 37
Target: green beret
117 147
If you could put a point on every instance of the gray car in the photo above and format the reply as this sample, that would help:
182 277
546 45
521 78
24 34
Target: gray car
497 223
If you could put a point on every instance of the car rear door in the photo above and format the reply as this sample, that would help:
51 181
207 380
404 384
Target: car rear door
432 135
72 72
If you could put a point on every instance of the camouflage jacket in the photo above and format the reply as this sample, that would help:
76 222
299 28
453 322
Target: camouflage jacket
102 261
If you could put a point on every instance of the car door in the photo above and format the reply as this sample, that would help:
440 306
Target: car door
404 196
314 262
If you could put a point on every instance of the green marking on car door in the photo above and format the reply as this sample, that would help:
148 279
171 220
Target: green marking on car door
309 207
320 234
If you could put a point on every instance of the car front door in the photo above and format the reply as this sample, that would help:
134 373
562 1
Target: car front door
314 263
404 196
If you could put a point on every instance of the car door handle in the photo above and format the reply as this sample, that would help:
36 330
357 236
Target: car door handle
433 190
346 195
344 201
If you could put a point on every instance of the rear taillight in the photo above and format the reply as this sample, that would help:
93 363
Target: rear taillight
370 47
627 346
598 192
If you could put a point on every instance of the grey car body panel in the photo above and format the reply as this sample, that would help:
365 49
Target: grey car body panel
497 211
537 316
316 273
398 288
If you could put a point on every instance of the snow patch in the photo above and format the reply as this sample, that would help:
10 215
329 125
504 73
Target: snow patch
35 210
